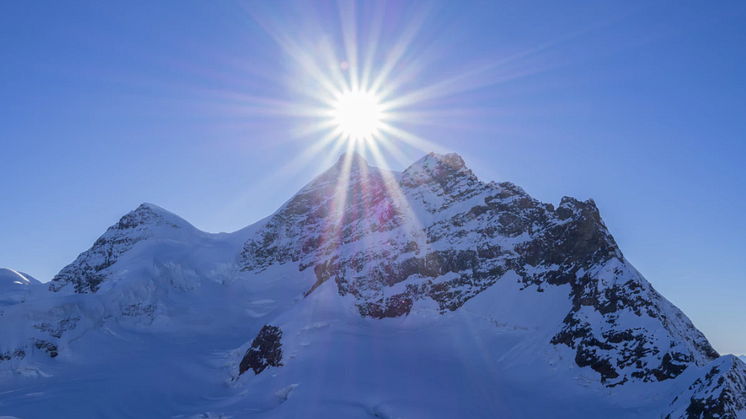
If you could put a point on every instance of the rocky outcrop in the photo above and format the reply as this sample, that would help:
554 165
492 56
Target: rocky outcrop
57 329
265 351
46 346
16 354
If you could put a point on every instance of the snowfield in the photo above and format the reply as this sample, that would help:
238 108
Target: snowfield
369 294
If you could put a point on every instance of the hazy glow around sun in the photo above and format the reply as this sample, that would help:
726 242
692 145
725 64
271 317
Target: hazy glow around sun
353 95
358 115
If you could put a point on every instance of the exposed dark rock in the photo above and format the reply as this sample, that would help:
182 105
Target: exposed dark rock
56 330
265 351
672 366
15 354
138 309
394 306
47 346
585 357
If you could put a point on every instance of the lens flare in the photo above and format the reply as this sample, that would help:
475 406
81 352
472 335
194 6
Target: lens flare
358 115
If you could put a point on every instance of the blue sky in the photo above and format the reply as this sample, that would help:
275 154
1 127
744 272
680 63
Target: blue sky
639 105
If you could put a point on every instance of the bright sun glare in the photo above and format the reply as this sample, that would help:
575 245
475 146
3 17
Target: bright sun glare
358 115
355 96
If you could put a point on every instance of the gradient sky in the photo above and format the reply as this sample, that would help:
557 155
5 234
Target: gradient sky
639 105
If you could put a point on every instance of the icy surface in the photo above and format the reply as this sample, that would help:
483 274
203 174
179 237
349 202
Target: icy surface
421 294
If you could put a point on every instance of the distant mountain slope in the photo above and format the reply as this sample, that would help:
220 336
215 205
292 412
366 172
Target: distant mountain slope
425 293
148 221
16 287
11 278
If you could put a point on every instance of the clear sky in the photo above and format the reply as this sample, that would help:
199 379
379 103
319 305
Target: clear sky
200 107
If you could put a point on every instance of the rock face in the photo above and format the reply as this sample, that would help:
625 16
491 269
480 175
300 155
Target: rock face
436 233
265 351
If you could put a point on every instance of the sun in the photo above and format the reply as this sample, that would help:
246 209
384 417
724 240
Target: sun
358 115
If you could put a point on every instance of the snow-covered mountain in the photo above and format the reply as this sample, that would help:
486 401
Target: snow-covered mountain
425 293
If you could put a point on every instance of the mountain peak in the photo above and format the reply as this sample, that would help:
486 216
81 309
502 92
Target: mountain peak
433 163
353 157
452 160
145 222
352 162
350 168
145 206
447 170
152 208
147 214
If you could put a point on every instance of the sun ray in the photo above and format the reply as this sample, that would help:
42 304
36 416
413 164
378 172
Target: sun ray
412 139
372 45
311 153
449 86
321 125
347 14
400 48
300 55
413 228
384 142
343 180
361 105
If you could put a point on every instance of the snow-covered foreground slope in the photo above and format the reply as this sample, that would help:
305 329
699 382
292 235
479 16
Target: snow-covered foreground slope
425 293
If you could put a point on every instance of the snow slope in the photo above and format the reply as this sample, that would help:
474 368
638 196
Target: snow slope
10 278
426 293
16 286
